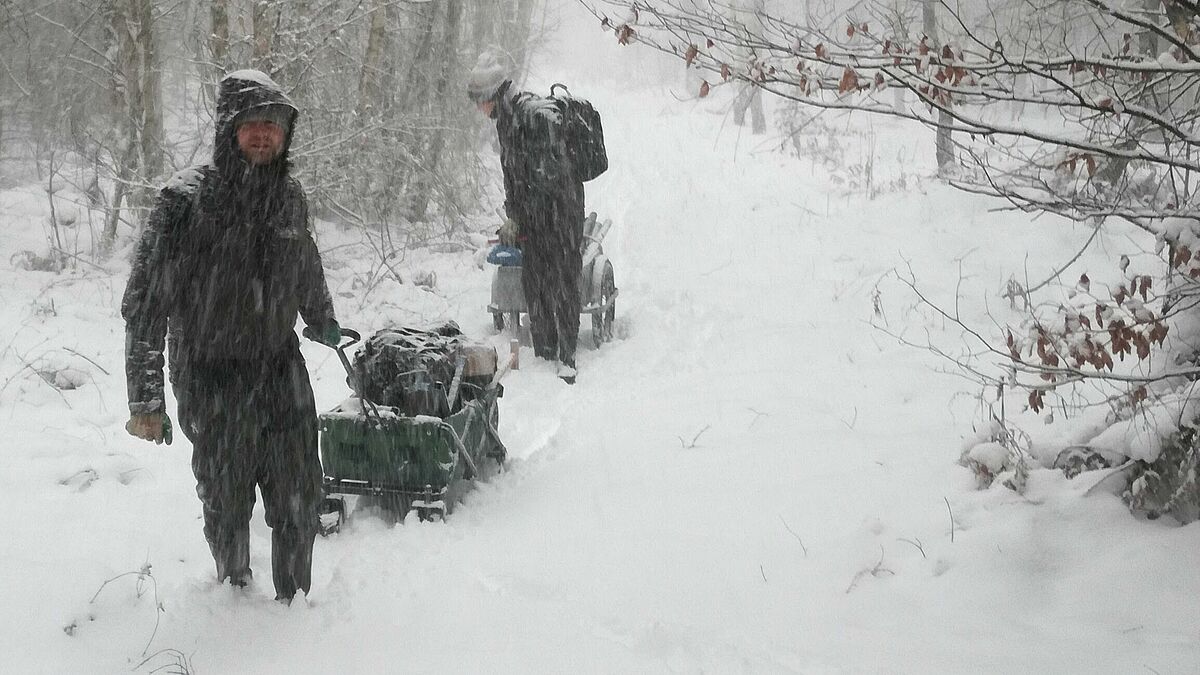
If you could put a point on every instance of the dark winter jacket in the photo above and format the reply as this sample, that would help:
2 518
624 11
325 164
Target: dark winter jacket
225 262
541 191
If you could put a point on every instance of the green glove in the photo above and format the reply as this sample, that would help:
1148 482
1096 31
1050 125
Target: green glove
330 335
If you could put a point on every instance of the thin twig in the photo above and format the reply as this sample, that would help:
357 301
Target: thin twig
181 661
916 543
142 574
1063 268
109 581
757 414
877 571
68 349
853 421
951 518
692 444
789 529
43 378
14 376
81 259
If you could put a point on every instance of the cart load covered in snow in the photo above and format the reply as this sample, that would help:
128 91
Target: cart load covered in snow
421 426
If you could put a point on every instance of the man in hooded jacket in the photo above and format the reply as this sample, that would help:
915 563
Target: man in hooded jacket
225 263
545 200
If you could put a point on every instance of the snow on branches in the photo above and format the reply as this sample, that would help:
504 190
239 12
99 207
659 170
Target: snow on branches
1111 95
1091 112
1087 336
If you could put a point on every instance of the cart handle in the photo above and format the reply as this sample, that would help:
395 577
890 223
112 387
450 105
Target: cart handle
311 333
340 348
351 376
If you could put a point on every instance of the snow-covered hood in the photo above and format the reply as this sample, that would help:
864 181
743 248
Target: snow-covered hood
239 92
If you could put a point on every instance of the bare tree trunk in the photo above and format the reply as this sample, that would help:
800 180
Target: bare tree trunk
483 27
369 81
945 145
1148 41
417 80
442 98
518 44
218 38
264 20
127 86
417 86
152 119
137 83
750 98
113 218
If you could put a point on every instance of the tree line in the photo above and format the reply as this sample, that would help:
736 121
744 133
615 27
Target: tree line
112 96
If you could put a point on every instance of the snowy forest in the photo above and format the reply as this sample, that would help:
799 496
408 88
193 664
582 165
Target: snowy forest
887 358
376 81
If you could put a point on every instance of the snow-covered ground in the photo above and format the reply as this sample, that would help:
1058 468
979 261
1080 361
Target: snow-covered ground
751 478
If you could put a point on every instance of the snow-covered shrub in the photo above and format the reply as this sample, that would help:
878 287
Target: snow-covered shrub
1120 351
999 454
31 261
1167 484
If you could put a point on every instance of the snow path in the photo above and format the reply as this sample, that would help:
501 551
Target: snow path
817 450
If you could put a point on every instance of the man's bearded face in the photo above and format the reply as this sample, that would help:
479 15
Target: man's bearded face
260 141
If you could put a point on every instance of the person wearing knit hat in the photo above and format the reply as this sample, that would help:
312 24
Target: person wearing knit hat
486 79
544 199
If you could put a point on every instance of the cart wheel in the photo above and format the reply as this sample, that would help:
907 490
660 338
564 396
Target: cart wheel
602 321
498 321
431 515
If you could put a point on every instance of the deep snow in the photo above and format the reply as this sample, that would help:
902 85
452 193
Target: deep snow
749 479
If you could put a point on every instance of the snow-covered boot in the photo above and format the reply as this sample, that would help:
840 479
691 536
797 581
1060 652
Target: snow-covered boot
291 561
231 552
567 373
241 579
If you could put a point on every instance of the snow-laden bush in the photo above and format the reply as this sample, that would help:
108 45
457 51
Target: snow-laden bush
1168 485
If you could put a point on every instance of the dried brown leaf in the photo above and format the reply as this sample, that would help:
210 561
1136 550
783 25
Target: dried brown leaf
849 81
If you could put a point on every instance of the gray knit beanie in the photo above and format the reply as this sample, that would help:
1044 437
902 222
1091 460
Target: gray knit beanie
486 77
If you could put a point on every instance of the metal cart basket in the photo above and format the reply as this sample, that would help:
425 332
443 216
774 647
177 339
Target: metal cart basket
423 452
597 286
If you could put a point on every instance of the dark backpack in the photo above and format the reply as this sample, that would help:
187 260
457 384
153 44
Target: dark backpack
584 135
409 368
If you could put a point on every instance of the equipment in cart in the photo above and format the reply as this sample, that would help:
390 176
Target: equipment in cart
597 283
420 428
